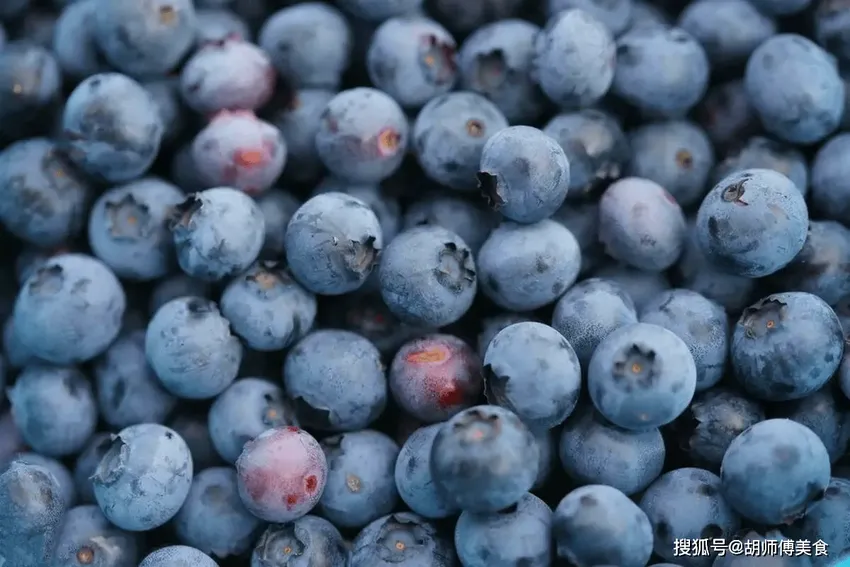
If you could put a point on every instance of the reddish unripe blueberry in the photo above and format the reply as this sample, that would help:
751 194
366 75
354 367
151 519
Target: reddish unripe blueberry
281 474
434 377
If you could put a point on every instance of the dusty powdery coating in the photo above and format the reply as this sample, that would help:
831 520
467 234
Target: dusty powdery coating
178 556
427 276
128 232
281 474
523 267
774 470
267 308
753 223
111 127
593 451
532 370
641 224
786 346
213 519
69 310
191 349
574 59
401 538
412 59
35 169
60 472
87 538
31 511
218 232
641 376
54 409
524 174
144 477
315 540
332 243
336 380
413 477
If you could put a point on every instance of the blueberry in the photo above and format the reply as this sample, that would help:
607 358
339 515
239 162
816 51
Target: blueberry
336 380
641 376
830 190
589 312
360 486
190 347
299 120
87 460
31 81
524 267
495 61
648 14
786 346
687 503
305 541
802 111
87 538
729 30
127 228
193 428
218 233
593 451
213 518
144 39
237 150
267 308
826 520
31 510
54 409
427 276
363 135
660 71
712 421
45 197
819 267
111 127
524 174
701 323
172 287
401 538
574 59
61 474
435 376
278 208
165 93
518 535
232 74
74 44
465 218
639 285
309 44
386 208
170 555
128 390
830 28
244 410
414 479
764 153
281 474
616 15
676 154
598 524
449 134
532 370
641 224
484 459
781 7
144 477
380 10
775 471
595 146
825 413
332 243
412 59
726 114
746 211
464 16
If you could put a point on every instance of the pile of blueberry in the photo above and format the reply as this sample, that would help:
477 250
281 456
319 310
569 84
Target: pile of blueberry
424 283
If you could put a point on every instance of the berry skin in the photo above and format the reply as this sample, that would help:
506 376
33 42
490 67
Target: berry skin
281 474
401 538
169 556
87 538
413 477
309 539
484 459
434 377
